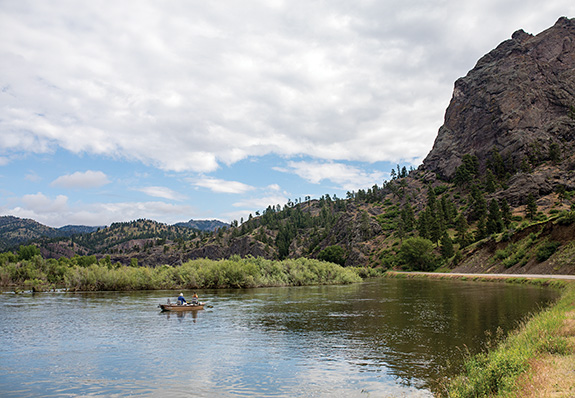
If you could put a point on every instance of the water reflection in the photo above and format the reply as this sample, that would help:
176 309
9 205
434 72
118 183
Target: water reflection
180 315
412 330
383 338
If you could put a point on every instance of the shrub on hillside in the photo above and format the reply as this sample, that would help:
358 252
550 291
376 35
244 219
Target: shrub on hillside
417 254
546 250
333 254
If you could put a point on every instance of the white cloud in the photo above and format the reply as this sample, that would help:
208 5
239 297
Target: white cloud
87 179
222 186
33 177
41 204
191 85
261 203
161 192
58 211
344 176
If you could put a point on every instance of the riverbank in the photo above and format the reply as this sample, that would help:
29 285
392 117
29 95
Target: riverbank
536 360
77 274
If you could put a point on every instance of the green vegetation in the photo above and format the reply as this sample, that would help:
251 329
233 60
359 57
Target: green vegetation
546 250
88 274
498 372
333 254
416 254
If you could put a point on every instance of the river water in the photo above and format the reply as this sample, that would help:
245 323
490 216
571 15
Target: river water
381 338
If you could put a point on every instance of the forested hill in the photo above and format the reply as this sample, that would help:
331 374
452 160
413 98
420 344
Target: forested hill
496 192
82 239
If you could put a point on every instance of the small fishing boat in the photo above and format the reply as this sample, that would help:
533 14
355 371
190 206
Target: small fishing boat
181 307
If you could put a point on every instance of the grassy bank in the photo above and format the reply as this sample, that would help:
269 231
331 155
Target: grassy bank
536 360
88 274
506 370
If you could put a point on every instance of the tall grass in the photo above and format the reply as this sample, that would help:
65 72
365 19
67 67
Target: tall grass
235 272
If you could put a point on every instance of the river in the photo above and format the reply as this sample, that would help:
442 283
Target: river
380 338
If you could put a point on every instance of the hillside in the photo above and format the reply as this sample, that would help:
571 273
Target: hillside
202 225
495 193
80 239
15 231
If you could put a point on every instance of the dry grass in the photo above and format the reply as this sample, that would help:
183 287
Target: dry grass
552 376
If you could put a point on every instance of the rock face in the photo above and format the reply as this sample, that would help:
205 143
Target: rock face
519 99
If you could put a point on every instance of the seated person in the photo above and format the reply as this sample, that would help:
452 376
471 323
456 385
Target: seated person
195 299
181 299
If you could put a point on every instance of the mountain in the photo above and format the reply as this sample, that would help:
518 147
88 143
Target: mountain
496 193
15 231
517 105
69 230
203 225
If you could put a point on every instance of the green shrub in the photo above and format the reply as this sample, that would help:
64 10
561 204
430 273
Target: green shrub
28 252
333 254
417 254
567 218
546 250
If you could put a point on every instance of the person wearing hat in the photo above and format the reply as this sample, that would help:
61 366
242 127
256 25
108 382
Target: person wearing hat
181 299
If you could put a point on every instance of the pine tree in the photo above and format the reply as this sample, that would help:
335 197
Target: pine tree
435 227
481 231
525 166
531 211
461 226
423 225
446 246
494 222
407 217
445 211
505 213
478 203
555 152
496 164
490 181
467 171
431 198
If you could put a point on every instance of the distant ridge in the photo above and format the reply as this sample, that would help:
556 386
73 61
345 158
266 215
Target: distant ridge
203 225
15 231
68 230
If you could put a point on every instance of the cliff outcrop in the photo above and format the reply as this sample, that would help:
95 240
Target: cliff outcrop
518 99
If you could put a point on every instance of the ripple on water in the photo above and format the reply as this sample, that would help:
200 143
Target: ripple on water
388 338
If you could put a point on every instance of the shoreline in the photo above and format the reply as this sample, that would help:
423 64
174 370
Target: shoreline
483 276
536 360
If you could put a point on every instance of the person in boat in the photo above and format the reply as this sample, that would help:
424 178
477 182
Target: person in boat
194 300
181 299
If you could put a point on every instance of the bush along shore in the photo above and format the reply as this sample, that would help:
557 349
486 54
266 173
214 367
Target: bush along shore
89 274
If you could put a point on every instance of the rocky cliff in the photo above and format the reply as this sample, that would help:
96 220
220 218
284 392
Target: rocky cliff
518 99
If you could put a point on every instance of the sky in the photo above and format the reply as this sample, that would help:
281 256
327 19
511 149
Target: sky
174 110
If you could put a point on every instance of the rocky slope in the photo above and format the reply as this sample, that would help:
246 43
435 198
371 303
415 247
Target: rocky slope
519 99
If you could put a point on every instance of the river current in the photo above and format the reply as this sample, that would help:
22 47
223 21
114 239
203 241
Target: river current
381 338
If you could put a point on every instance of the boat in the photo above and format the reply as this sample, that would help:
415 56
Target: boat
181 307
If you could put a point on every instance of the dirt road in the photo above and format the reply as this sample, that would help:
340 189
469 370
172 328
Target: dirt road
527 276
